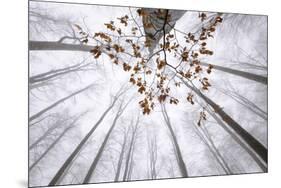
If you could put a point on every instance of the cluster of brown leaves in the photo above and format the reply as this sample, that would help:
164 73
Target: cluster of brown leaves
205 83
96 51
160 63
210 67
202 117
138 68
190 98
103 36
124 20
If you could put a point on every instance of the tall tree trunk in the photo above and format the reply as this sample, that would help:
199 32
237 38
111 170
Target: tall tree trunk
47 45
247 75
69 160
120 160
247 137
130 151
58 102
181 162
93 166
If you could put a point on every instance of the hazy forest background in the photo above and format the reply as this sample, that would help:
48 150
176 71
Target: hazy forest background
125 93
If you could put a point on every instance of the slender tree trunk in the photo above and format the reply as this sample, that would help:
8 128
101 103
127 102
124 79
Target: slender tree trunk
58 102
247 137
46 45
69 160
130 151
152 155
93 166
247 75
181 162
120 160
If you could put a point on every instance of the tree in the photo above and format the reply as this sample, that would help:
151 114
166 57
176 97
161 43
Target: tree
38 114
56 141
129 156
181 163
93 166
66 164
247 137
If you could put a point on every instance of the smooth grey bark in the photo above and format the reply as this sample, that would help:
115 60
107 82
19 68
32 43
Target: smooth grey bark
69 160
247 137
38 114
130 151
120 160
53 45
181 162
93 166
247 75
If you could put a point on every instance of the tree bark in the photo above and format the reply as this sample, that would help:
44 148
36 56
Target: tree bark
47 45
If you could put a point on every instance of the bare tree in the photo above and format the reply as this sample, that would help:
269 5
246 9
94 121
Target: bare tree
38 114
121 156
181 163
129 156
243 74
56 141
69 160
203 134
247 137
93 166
